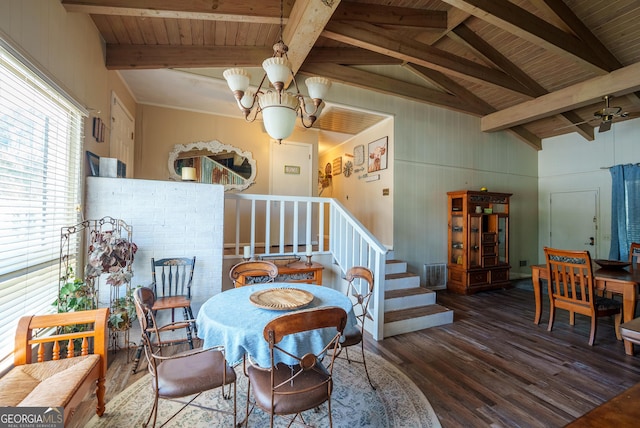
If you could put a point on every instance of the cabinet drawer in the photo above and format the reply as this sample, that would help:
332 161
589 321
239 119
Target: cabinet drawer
488 250
489 238
489 261
477 278
500 275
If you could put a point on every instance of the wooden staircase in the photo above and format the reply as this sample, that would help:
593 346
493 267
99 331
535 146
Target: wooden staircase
408 306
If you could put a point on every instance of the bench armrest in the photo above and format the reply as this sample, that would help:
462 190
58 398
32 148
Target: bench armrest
24 340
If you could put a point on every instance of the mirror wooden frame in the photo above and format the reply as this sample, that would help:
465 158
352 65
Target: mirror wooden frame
213 146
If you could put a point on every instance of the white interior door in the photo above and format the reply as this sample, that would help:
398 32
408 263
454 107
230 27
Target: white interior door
291 175
574 221
121 145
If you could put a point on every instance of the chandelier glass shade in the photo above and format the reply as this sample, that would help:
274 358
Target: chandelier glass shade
278 107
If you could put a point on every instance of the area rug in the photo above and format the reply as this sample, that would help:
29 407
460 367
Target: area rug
396 402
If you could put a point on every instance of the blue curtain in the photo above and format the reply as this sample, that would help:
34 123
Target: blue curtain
625 209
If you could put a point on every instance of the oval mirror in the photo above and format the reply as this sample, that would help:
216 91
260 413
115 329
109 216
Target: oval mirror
214 163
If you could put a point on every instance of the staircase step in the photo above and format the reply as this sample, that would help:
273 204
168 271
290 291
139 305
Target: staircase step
418 318
406 298
395 266
396 281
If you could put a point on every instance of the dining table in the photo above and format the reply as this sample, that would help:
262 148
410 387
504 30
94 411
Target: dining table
623 281
236 320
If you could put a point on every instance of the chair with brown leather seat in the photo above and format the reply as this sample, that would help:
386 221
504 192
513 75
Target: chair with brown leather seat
146 296
253 272
182 374
359 290
283 389
572 287
171 282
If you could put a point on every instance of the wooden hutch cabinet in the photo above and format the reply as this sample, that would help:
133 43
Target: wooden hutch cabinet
478 241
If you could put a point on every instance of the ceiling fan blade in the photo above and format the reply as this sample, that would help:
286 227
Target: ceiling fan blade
605 126
573 124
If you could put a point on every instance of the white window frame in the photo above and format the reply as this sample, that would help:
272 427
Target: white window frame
41 134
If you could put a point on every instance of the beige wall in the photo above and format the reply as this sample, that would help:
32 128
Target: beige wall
69 50
365 199
159 129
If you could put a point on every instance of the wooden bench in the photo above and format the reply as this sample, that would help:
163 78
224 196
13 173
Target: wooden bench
55 380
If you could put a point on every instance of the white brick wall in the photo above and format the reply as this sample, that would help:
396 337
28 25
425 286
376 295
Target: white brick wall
169 219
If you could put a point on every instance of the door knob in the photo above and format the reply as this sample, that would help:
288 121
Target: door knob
591 242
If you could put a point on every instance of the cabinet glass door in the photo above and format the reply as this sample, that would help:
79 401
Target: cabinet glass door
474 240
457 240
503 251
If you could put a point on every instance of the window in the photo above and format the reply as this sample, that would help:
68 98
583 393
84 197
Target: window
40 144
625 209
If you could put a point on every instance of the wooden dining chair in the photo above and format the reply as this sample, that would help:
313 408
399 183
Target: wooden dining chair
572 287
185 374
359 291
634 253
171 282
253 272
283 389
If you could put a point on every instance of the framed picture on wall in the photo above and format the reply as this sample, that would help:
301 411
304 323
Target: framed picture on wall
377 155
94 164
337 165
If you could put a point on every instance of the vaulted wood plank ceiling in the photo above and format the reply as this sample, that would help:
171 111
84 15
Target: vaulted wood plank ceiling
536 68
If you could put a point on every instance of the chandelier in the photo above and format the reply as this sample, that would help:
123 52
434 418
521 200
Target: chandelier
279 108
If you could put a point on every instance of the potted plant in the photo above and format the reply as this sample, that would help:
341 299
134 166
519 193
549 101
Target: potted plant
112 255
123 312
75 294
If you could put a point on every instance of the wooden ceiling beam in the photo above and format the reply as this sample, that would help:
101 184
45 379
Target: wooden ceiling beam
389 15
448 84
563 12
349 56
512 18
451 86
525 135
492 54
385 42
455 17
306 22
268 11
128 57
617 83
387 85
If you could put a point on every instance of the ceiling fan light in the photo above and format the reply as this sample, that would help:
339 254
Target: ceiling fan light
318 87
237 79
278 69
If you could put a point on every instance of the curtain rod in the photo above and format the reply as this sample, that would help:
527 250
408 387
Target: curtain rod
609 167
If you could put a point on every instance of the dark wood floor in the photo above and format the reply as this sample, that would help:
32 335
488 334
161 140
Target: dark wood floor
492 367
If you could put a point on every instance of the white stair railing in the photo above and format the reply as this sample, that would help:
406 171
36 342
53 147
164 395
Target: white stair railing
290 225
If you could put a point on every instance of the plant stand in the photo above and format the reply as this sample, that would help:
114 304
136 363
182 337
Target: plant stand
109 245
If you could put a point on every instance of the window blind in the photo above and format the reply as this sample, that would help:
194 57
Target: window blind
40 153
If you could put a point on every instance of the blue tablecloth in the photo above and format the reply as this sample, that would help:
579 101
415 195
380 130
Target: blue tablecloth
230 319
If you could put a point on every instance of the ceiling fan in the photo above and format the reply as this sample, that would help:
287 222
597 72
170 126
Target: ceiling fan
605 115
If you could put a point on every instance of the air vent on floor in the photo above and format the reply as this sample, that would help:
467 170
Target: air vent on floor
435 276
